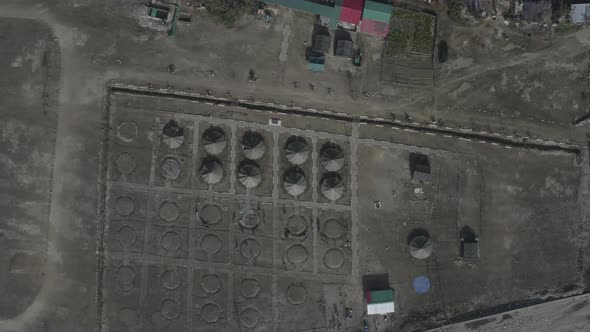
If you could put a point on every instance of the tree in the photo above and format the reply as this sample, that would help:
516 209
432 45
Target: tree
455 10
228 12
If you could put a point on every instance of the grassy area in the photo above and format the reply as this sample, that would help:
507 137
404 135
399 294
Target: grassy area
409 30
455 10
228 12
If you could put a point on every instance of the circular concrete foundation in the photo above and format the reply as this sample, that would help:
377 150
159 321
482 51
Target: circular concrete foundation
334 258
210 283
249 317
125 277
210 312
297 254
170 279
125 163
296 294
297 225
249 219
127 131
125 206
250 248
170 168
169 211
171 241
333 229
211 244
129 317
126 236
210 214
249 288
170 309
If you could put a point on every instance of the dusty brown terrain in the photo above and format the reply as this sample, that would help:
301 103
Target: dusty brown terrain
86 92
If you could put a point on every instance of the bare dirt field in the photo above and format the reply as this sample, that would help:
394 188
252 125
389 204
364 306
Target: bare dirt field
29 111
110 226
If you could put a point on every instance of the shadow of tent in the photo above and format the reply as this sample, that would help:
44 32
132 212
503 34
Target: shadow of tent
417 232
373 282
466 235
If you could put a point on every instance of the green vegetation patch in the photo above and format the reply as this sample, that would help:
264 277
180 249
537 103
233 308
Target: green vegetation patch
455 10
228 12
409 31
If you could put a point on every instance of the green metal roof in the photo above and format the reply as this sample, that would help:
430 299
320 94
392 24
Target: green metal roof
311 7
382 296
317 67
377 11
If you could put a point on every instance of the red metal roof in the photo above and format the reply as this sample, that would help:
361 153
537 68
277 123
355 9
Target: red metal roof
374 28
352 11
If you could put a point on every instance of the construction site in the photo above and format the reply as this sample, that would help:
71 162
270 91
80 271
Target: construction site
163 173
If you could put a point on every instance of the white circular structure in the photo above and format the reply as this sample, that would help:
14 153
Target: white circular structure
296 150
214 140
173 134
211 170
332 157
420 246
294 181
249 174
332 186
253 145
170 168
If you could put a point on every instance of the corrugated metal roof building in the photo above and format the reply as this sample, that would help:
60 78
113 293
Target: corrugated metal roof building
580 13
352 10
326 10
380 302
316 67
321 43
372 16
377 11
344 48
317 63
376 16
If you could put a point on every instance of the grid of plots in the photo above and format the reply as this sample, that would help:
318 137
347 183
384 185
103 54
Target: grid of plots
213 222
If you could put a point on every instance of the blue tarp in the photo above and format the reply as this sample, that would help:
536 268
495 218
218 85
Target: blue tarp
421 284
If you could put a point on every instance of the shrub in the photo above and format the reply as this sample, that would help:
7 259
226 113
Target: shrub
455 10
228 12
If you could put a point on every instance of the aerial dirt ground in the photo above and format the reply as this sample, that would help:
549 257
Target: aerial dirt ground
107 226
566 315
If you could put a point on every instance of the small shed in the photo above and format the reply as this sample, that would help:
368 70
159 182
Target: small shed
469 244
580 11
321 43
316 64
344 48
420 167
470 250
316 67
421 173
380 302
160 10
